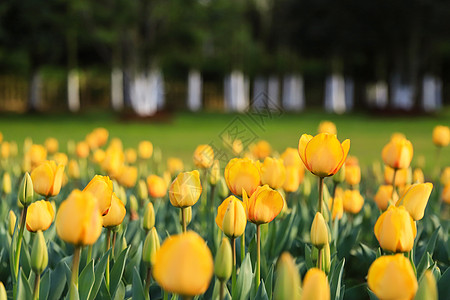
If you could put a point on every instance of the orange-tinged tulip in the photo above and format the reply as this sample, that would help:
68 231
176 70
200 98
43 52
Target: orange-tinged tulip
157 187
37 154
128 176
79 220
231 217
261 149
327 127
114 159
418 176
203 156
445 176
40 216
383 196
145 149
446 194
352 174
353 201
398 153
338 207
102 189
130 155
400 177
99 156
97 138
174 165
292 181
315 285
116 213
184 265
82 149
241 173
61 158
395 230
263 205
185 189
273 172
290 157
323 155
392 277
351 161
52 145
441 136
415 199
47 178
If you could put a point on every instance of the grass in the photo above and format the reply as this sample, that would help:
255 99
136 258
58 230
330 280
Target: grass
182 132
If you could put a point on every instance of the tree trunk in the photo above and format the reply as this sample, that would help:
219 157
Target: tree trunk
73 90
117 89
194 95
35 95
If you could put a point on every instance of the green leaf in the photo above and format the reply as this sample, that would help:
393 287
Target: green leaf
86 281
337 269
444 286
57 281
372 296
120 291
73 293
244 280
269 282
261 294
117 270
23 288
308 257
346 244
216 291
98 275
283 233
424 262
137 288
44 288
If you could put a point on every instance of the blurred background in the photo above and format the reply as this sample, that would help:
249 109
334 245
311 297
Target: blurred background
151 57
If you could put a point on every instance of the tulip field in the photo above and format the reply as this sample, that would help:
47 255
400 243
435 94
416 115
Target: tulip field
217 206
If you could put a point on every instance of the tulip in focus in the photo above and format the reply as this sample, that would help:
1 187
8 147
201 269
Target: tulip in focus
203 156
186 189
315 285
184 265
102 189
40 216
392 277
395 230
145 149
383 196
47 178
151 246
353 201
242 174
398 153
319 231
415 199
287 282
231 217
441 136
263 205
156 185
223 263
39 254
116 213
26 190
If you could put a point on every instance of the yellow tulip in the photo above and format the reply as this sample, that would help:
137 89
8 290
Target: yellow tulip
400 177
156 185
338 207
5 150
99 156
47 178
383 196
184 265
263 205
185 189
203 156
446 194
315 285
116 213
441 136
353 201
214 173
174 165
323 155
327 127
261 149
40 216
6 183
352 174
398 153
52 145
287 282
149 217
241 173
415 199
231 217
445 176
11 222
418 176
130 155
97 138
395 230
61 158
82 149
74 169
319 231
102 189
290 157
273 172
114 160
145 149
37 154
128 176
237 147
79 220
392 277
292 181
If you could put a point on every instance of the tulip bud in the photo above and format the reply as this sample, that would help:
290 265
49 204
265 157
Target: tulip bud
40 216
315 285
203 156
142 191
214 173
222 189
441 136
287 282
149 217
26 191
326 259
11 222
124 244
122 195
319 231
231 217
2 292
327 127
418 176
187 215
133 203
223 263
427 287
39 254
151 245
6 183
415 199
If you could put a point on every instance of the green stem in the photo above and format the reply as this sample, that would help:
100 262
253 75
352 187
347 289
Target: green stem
23 219
222 290
319 259
183 218
108 245
242 247
166 296
233 274
147 282
89 255
319 209
37 281
75 266
113 243
411 259
258 256
211 197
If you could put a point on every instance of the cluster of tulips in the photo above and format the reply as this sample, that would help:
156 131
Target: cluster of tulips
94 222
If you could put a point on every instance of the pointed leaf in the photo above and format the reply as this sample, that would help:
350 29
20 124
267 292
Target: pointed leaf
117 270
137 288
86 281
244 280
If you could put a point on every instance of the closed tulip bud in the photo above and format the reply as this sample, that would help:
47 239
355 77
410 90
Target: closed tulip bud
130 155
273 172
151 246
39 254
149 217
392 277
214 173
134 206
142 190
418 176
427 287
79 220
203 156
184 265
323 155
128 176
145 149
102 189
327 127
6 183
222 188
315 285
40 216
11 222
263 205
319 231
187 215
441 136
326 258
446 194
3 295
52 145
445 176
47 178
185 189
287 281
352 174
242 174
26 192
415 199
395 230
116 213
156 185
261 149
292 181
223 263
353 201
383 196
74 169
398 153
174 165
231 217
82 149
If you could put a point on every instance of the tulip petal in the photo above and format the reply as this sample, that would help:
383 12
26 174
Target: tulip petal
221 211
324 154
42 177
345 148
304 140
56 187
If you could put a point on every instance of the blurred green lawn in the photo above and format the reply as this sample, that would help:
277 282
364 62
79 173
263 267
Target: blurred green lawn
179 134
